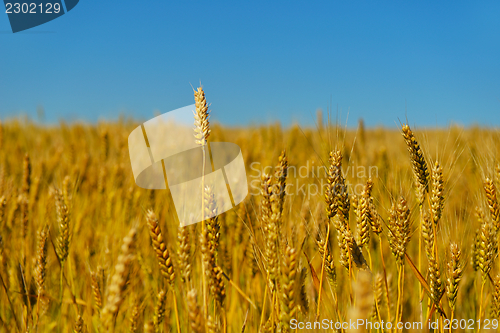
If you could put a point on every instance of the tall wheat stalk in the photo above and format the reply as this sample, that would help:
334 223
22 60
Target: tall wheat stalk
202 132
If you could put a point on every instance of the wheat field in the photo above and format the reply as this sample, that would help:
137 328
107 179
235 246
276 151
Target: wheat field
340 224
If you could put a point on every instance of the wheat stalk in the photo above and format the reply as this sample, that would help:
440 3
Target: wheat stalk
201 134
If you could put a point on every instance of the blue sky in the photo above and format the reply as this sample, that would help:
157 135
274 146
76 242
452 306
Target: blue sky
260 61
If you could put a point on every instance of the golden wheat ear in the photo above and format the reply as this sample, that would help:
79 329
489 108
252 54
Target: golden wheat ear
162 253
437 197
184 252
41 259
159 310
288 281
455 273
201 117
96 290
135 314
491 197
495 302
196 320
364 214
79 325
119 279
487 248
399 229
420 170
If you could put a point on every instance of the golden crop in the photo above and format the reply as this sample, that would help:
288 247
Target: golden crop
375 224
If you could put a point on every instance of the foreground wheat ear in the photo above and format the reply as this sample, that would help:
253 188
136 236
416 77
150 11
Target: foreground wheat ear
201 116
162 253
419 164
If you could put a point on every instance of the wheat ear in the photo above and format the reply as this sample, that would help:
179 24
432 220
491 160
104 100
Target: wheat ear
201 117
159 310
333 179
455 273
437 198
41 259
399 229
41 268
135 314
26 182
209 247
195 317
288 294
491 196
184 253
270 230
162 254
399 236
79 325
476 243
63 221
119 279
96 290
364 213
487 252
330 270
487 249
435 282
495 302
418 162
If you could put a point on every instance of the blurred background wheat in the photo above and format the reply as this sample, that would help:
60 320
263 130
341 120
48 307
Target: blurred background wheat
378 224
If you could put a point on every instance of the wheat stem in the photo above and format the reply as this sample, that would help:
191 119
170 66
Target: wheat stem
385 280
322 270
176 312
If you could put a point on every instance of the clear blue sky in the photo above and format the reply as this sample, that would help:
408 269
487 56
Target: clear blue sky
260 61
